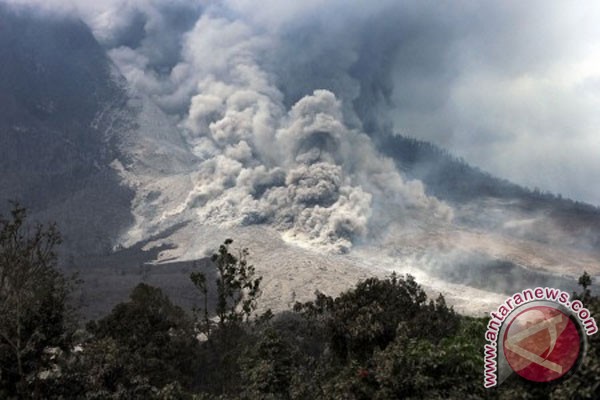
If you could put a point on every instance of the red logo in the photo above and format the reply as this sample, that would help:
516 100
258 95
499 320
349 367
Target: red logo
541 344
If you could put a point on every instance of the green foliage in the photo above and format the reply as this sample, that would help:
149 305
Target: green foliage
152 340
367 317
268 367
237 287
33 303
415 368
382 339
144 349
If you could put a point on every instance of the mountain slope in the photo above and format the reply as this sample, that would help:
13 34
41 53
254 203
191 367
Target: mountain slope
57 92
67 116
79 146
455 181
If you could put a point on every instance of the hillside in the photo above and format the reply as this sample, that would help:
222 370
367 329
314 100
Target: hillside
59 95
138 195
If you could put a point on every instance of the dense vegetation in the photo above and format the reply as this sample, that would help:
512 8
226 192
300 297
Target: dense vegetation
383 339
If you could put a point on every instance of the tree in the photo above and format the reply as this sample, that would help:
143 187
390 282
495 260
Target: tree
33 307
153 341
237 288
268 367
367 316
237 291
585 281
415 368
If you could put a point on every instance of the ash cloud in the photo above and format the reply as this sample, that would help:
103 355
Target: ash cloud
280 103
302 170
509 86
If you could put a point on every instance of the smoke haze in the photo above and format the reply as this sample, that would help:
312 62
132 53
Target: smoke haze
279 103
510 86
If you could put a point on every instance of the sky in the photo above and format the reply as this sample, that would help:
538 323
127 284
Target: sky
513 87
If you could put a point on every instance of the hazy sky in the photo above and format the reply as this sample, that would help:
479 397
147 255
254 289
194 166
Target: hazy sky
511 86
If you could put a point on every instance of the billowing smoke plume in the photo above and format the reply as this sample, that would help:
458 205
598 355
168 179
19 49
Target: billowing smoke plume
512 87
270 148
301 169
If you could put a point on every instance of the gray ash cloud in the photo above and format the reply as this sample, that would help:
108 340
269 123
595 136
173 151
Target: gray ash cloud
280 102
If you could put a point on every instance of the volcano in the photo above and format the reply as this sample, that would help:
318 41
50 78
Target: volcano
140 193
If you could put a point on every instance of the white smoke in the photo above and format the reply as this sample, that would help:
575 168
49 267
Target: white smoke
300 170
305 169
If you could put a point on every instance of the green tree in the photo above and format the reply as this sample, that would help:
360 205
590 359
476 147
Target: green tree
237 287
237 291
367 317
151 339
415 368
34 315
268 367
